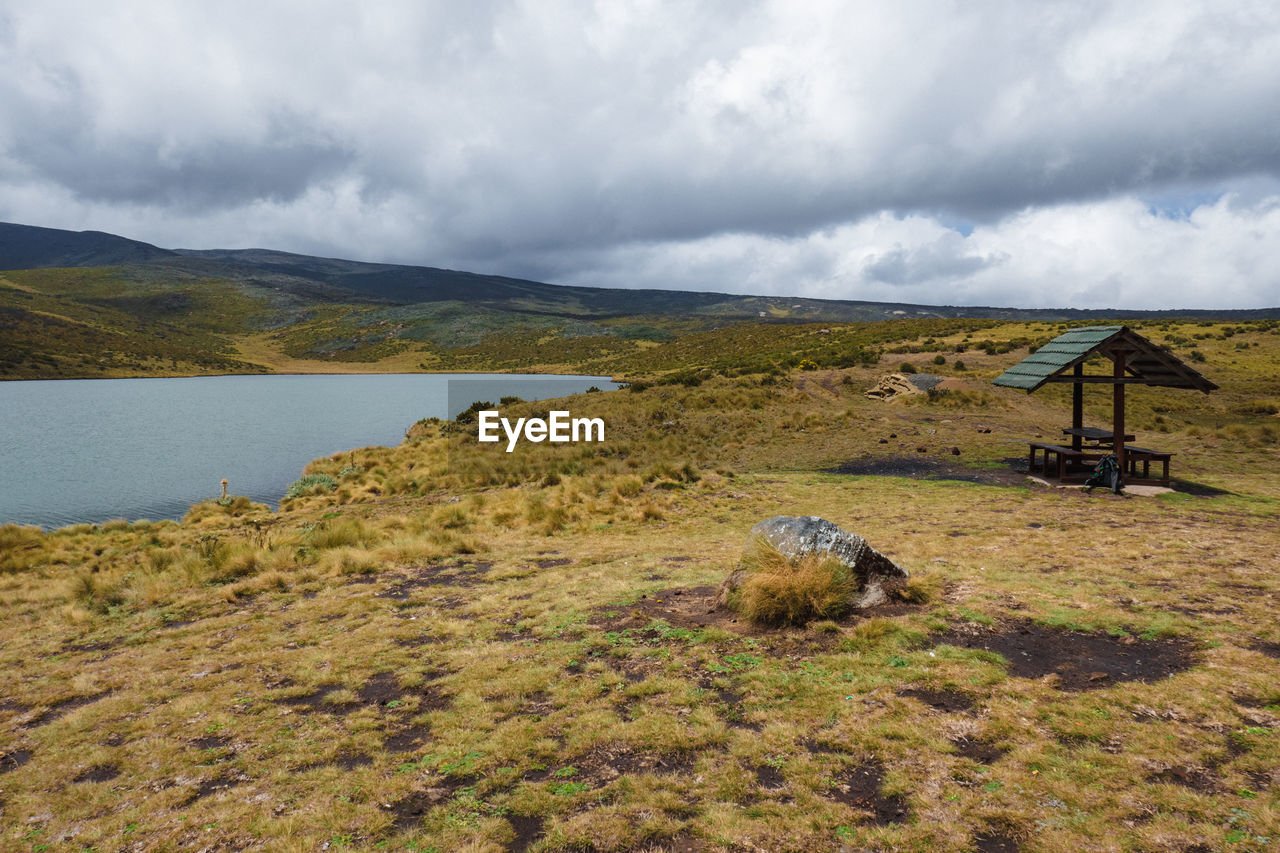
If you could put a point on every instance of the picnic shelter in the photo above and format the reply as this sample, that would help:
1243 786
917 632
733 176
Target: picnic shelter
1134 361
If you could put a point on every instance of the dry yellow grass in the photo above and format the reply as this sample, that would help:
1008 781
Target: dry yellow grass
780 591
453 650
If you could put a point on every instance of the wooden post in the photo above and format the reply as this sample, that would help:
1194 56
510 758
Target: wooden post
224 487
1077 407
1117 410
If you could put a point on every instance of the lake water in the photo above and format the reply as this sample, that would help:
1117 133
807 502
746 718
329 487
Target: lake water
90 450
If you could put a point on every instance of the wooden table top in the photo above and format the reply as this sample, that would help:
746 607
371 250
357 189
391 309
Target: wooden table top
1094 434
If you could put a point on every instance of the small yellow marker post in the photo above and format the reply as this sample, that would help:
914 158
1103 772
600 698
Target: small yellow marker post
224 487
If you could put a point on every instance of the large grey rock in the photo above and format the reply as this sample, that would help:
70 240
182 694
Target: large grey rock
798 536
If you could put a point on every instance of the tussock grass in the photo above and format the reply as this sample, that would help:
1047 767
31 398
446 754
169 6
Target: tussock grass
782 591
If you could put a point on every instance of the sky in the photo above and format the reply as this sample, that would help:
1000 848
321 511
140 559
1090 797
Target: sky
1047 154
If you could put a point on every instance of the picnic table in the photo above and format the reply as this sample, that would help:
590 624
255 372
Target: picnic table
1097 436
1060 461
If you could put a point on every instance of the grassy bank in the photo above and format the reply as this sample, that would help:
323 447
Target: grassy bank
441 646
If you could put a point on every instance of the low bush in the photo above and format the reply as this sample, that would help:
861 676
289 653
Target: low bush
311 484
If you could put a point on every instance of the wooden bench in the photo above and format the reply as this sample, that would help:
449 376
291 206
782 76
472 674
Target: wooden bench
1134 455
1066 455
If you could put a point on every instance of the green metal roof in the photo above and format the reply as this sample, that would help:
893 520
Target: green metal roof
1148 363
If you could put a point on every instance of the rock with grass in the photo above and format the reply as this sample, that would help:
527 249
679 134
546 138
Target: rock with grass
798 568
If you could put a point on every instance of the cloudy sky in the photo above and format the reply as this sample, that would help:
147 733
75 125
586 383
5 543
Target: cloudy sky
1083 154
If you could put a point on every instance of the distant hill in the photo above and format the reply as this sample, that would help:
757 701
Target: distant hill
24 247
335 279
94 304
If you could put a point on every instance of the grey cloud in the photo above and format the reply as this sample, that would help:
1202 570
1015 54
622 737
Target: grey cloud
927 263
58 141
537 139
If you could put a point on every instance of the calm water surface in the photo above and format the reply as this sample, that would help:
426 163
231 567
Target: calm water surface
90 450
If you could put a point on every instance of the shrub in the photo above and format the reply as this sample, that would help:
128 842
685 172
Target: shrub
906 367
312 484
959 365
808 364
470 414
232 505
939 359
781 591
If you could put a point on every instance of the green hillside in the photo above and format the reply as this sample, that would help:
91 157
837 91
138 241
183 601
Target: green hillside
89 304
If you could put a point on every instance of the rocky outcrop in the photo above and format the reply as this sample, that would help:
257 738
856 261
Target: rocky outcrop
799 536
904 385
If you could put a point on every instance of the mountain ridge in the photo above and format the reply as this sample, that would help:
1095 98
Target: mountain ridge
35 247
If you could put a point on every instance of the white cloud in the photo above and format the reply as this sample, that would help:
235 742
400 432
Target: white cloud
1117 253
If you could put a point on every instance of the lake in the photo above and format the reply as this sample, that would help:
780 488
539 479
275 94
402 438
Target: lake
90 450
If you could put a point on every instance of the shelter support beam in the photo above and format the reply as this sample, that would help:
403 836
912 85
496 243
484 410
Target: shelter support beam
1077 407
1117 406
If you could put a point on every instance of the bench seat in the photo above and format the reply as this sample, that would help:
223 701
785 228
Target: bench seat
1065 456
1134 455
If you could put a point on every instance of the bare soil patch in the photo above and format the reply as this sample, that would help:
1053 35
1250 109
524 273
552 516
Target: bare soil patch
98 773
947 701
211 742
100 646
695 607
607 762
1199 779
407 739
553 562
996 842
980 751
212 786
769 777
1081 660
60 709
447 575
410 811
1269 648
313 701
527 829
10 761
817 747
860 788
346 761
923 468
379 691
418 641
